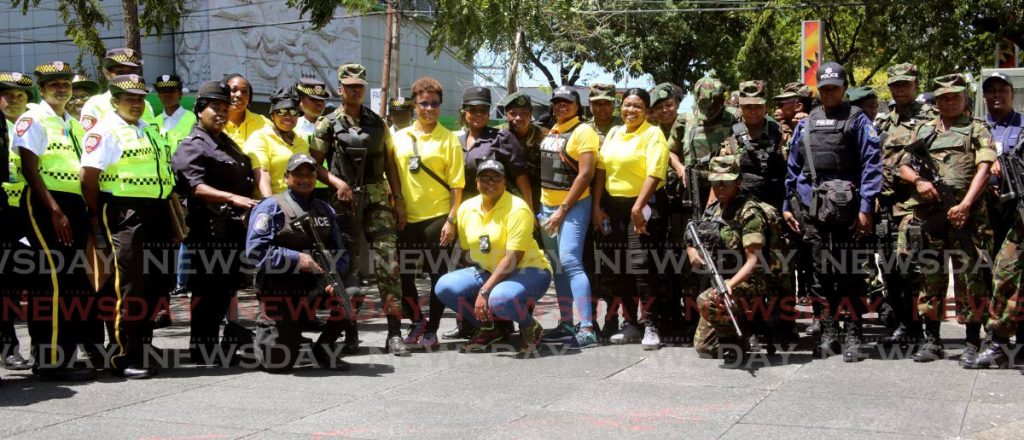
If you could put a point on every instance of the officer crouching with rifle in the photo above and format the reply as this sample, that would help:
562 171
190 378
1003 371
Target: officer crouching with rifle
295 244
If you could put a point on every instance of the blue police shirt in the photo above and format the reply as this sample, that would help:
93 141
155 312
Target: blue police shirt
1006 132
267 219
869 182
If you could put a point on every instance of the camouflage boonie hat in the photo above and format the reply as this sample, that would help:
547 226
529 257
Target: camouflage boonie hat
602 92
312 88
952 83
15 80
901 72
400 103
122 56
352 74
724 169
661 92
517 100
855 94
708 88
168 82
752 93
128 84
54 70
795 90
83 82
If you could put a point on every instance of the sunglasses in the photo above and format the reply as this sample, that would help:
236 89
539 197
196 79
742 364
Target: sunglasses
429 104
493 178
286 112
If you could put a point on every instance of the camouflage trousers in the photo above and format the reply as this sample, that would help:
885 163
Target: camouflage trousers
715 324
1007 308
372 240
968 249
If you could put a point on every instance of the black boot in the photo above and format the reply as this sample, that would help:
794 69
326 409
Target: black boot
815 328
972 344
931 349
997 354
828 344
854 345
462 330
905 334
351 344
733 352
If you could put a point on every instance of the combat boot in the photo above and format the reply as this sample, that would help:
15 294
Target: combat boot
905 334
997 354
972 342
854 345
931 349
815 328
733 351
828 344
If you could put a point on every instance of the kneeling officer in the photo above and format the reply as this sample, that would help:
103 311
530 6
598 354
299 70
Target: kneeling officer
289 280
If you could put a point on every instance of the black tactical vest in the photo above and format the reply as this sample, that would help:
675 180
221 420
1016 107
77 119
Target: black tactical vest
358 154
289 280
832 140
557 169
762 165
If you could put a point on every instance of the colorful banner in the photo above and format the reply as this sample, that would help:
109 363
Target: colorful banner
810 51
1007 55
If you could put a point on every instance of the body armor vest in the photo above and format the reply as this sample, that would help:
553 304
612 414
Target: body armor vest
557 169
289 280
359 152
832 141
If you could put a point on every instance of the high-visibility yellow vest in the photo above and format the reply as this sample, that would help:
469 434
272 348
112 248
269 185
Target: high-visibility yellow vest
59 165
144 169
179 132
15 186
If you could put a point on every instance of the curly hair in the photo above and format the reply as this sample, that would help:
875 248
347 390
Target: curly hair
426 85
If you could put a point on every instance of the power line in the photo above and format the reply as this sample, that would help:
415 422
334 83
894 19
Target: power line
738 8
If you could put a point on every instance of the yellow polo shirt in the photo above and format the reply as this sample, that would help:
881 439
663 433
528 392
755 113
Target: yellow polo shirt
584 139
268 151
241 133
508 226
629 158
439 150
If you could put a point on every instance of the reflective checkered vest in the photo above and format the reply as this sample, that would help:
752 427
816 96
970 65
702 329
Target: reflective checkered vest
144 169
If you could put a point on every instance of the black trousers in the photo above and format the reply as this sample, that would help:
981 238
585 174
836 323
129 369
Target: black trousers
420 241
279 328
215 277
139 231
12 280
626 260
59 303
836 275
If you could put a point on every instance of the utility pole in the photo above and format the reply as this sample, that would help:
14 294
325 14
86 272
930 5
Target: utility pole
131 25
396 49
511 79
385 77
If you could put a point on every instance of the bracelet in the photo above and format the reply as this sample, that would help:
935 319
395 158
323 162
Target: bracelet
451 220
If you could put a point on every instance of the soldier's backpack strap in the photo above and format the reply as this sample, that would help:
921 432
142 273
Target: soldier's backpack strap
291 209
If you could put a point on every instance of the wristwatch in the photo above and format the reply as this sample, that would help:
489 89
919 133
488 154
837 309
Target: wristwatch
451 220
564 207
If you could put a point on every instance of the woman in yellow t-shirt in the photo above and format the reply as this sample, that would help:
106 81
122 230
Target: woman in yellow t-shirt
509 273
567 161
431 171
270 147
629 193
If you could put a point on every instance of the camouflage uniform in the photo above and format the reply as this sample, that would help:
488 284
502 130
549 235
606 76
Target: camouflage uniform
763 166
697 136
1007 309
793 90
603 92
953 156
741 225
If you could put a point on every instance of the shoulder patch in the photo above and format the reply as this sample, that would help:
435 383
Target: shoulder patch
23 125
88 121
872 133
91 142
261 224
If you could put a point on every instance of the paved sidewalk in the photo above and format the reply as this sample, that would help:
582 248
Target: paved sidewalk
605 392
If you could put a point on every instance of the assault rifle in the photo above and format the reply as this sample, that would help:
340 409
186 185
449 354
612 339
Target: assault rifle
1012 186
322 256
716 278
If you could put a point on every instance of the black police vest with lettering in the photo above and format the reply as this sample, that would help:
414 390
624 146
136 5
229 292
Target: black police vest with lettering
832 140
557 169
359 149
289 280
761 164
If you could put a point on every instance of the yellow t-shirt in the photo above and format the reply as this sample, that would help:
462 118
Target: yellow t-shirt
268 151
252 123
439 150
584 139
508 226
629 158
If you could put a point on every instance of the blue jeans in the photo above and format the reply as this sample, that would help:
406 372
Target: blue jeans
184 265
571 282
510 299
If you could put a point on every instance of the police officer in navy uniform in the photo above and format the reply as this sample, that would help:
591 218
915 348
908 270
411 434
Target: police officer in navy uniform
218 180
288 278
844 152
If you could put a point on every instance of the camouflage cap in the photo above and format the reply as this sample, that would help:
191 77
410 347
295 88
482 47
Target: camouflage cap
128 84
164 82
724 169
15 80
517 100
662 92
54 70
352 74
952 83
901 72
312 88
121 56
752 93
708 88
602 92
855 94
400 103
83 82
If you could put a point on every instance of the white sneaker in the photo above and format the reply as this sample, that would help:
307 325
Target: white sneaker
628 334
651 339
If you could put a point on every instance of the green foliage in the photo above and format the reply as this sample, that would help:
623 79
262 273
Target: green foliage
321 12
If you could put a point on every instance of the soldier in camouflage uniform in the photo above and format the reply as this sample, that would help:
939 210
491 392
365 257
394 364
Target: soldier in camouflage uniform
602 107
949 168
519 113
794 103
757 142
896 130
358 143
734 225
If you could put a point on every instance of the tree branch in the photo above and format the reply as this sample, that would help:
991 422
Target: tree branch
540 65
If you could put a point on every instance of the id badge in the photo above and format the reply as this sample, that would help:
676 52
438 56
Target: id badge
485 244
414 164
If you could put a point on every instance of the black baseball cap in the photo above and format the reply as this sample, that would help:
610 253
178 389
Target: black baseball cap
214 90
299 159
565 93
999 76
831 74
490 165
476 96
